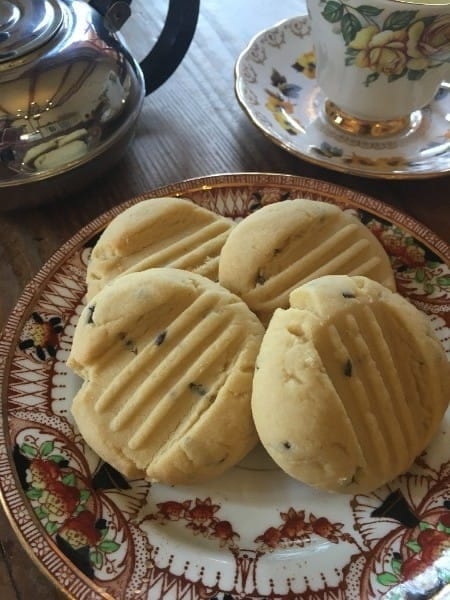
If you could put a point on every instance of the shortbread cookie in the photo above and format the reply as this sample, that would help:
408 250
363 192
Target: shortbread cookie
286 244
158 232
168 359
351 384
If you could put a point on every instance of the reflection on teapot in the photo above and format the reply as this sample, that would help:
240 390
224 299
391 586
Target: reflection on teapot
71 92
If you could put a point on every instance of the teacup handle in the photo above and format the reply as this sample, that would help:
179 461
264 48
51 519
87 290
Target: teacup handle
172 44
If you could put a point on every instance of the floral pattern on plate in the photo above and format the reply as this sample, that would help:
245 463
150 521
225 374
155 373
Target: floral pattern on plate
276 86
253 533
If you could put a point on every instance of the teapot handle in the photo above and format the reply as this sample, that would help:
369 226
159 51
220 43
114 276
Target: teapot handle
172 44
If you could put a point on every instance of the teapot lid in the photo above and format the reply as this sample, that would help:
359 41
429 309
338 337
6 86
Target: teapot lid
25 26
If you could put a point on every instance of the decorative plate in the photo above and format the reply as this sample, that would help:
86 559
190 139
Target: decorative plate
253 533
276 86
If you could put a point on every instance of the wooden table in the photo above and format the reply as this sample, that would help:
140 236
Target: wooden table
192 126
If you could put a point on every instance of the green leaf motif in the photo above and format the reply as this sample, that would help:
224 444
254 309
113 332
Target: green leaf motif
424 525
108 546
28 450
333 11
40 513
443 281
371 78
387 578
396 565
57 458
393 77
69 479
96 559
414 546
414 75
351 51
420 275
350 27
51 528
399 19
34 493
47 448
369 11
350 56
429 288
84 495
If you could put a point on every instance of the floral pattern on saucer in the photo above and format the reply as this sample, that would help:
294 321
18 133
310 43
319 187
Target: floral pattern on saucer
276 86
98 535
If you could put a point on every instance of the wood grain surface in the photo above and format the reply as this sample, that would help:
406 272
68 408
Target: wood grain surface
192 126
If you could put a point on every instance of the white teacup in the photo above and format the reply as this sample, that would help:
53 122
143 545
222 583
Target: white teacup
379 61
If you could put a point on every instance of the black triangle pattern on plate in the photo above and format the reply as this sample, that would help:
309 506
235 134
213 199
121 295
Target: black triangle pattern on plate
108 478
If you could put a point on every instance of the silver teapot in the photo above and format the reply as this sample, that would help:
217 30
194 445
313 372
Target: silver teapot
71 92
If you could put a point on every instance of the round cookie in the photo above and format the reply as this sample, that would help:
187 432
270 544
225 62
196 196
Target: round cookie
168 358
286 244
158 232
351 384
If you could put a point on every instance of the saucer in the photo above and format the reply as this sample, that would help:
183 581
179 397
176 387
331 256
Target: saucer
276 86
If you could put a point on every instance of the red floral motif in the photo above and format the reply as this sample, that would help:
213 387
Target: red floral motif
295 527
60 500
419 543
41 335
173 511
419 275
223 531
419 552
433 544
41 472
270 538
330 531
80 531
296 530
445 520
200 517
397 244
412 567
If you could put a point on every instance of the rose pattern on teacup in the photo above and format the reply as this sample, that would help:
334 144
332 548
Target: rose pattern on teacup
402 44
